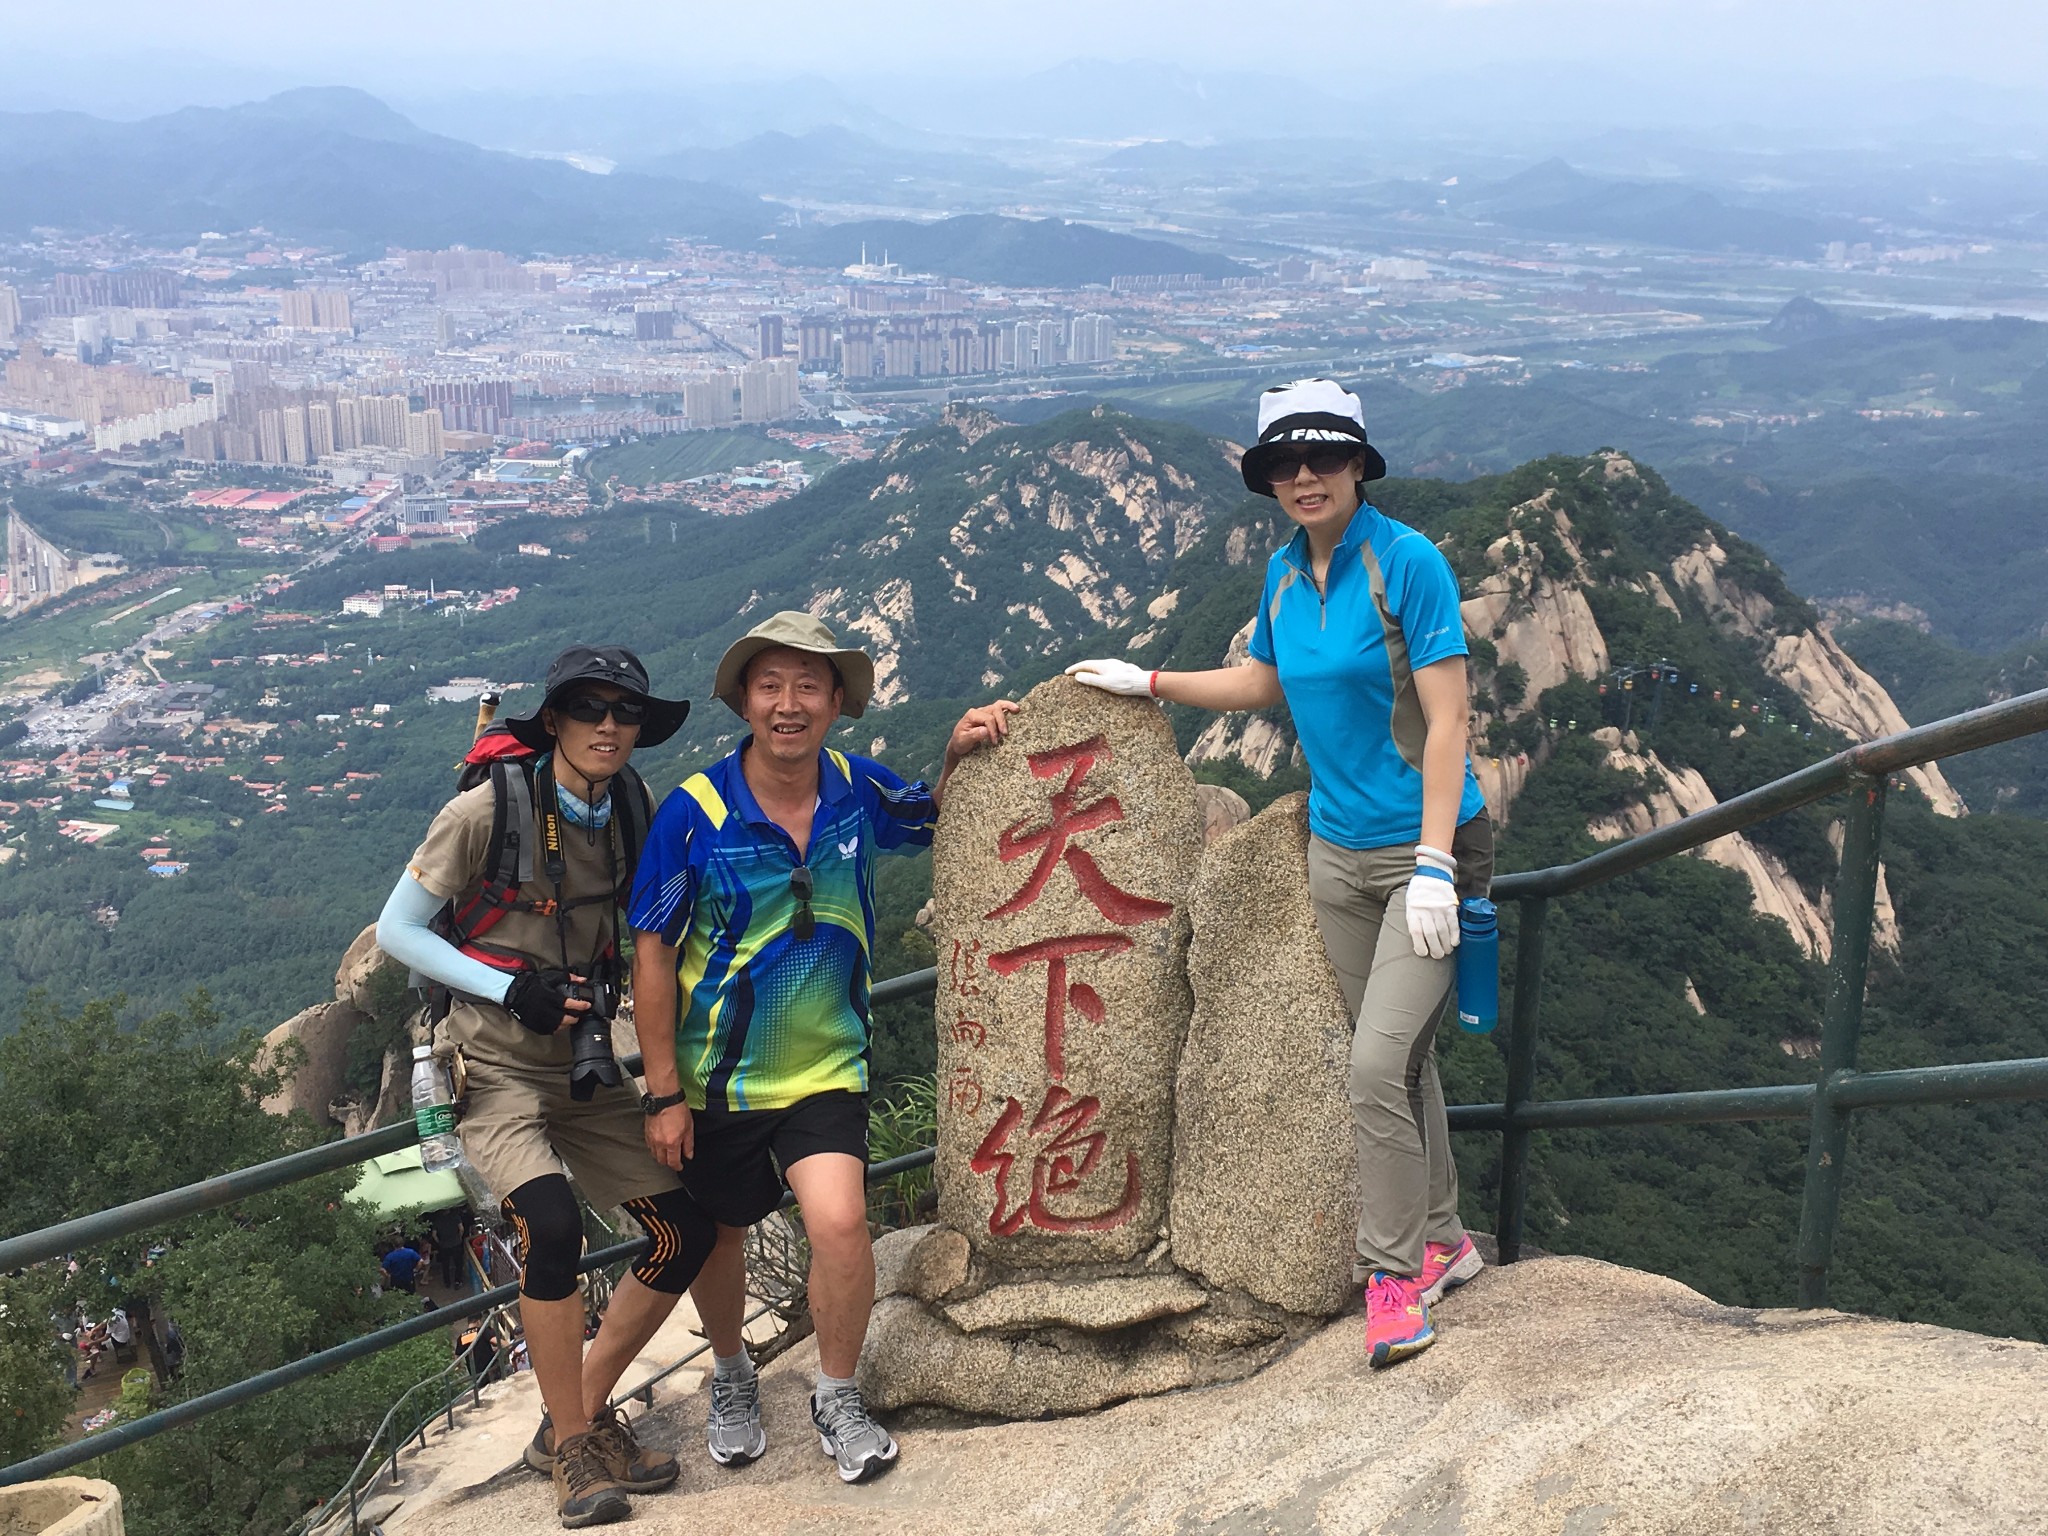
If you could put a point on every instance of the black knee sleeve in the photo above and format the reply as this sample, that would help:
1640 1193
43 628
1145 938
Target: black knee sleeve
550 1229
682 1237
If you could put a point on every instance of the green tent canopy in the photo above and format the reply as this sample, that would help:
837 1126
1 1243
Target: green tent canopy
398 1181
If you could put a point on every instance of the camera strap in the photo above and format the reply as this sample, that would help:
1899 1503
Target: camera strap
547 806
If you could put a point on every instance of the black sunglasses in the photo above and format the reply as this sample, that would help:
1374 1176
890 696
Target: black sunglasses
801 886
589 709
1320 461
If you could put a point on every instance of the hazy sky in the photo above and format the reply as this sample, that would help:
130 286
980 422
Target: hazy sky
213 48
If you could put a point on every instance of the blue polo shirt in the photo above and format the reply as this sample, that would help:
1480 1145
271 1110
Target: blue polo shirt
766 1020
1347 659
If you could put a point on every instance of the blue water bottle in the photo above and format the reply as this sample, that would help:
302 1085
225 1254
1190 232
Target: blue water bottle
1478 966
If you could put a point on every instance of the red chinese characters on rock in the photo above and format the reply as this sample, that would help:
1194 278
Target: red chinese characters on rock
1058 1138
1069 1154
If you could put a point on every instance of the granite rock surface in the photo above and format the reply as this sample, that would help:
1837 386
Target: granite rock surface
1060 876
1265 1185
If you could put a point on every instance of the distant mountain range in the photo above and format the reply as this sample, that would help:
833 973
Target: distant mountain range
339 167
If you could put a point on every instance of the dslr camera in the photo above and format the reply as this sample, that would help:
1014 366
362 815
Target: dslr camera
591 1061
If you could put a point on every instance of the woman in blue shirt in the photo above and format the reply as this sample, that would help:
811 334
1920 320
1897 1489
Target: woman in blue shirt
1358 631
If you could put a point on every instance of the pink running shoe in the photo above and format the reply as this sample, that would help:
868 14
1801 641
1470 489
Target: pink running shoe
1396 1319
1445 1268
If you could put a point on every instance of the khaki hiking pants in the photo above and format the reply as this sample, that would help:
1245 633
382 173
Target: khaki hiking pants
1408 1185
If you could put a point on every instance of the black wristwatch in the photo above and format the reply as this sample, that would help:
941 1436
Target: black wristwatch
650 1105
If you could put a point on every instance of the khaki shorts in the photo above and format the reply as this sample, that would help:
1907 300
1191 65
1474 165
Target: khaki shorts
520 1124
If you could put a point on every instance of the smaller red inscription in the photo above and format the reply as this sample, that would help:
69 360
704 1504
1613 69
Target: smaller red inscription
970 1031
963 1090
965 955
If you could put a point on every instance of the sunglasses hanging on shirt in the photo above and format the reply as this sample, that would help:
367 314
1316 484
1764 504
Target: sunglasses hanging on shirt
802 887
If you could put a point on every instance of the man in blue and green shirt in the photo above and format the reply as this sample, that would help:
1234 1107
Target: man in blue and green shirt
754 919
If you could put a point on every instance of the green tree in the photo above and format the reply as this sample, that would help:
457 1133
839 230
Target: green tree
93 1114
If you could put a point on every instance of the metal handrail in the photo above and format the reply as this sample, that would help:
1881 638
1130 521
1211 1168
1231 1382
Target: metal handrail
237 1393
319 1512
1986 727
225 1189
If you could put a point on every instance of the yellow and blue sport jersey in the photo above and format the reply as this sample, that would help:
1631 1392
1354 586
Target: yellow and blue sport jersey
768 1020
1347 658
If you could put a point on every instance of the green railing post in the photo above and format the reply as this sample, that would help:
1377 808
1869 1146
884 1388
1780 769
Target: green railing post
1514 1139
1841 1027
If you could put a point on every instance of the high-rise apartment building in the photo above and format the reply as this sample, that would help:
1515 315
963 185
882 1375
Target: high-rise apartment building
320 431
423 433
814 341
769 331
857 348
471 405
654 322
768 390
899 347
709 402
294 430
315 309
270 437
202 441
128 288
10 312
348 423
1091 339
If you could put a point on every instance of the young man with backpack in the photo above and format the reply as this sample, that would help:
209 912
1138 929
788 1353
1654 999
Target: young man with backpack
754 921
511 908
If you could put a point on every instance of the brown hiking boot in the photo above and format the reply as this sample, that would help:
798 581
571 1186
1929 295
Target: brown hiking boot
628 1461
586 1493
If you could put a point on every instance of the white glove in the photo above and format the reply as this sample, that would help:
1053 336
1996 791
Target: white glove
1114 676
1433 903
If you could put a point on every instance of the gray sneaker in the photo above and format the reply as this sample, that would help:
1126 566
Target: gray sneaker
849 1436
733 1432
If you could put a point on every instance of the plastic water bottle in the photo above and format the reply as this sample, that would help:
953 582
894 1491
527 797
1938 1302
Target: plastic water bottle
433 1111
1478 966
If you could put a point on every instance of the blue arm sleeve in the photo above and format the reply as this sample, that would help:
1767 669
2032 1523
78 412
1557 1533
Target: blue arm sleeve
403 934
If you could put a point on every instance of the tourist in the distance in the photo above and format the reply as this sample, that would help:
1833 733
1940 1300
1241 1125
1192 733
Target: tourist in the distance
754 920
1358 633
519 992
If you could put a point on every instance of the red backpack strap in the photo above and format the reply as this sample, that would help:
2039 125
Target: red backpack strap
508 858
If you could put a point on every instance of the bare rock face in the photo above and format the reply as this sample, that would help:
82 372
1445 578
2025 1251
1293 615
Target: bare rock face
322 1032
1265 1186
1223 809
1060 878
359 967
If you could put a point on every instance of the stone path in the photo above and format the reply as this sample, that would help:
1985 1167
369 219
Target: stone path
1566 1397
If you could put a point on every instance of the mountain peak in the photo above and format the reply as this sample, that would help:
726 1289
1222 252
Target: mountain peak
337 109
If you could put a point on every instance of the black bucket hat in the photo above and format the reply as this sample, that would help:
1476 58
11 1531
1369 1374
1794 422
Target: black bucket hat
1306 413
612 664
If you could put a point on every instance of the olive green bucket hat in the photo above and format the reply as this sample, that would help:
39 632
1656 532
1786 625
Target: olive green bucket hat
799 632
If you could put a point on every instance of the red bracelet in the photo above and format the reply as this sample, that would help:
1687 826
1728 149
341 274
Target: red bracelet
1152 684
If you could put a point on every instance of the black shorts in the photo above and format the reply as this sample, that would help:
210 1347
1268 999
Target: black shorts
741 1155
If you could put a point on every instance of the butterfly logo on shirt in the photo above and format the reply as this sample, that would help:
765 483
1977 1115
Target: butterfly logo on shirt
850 847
